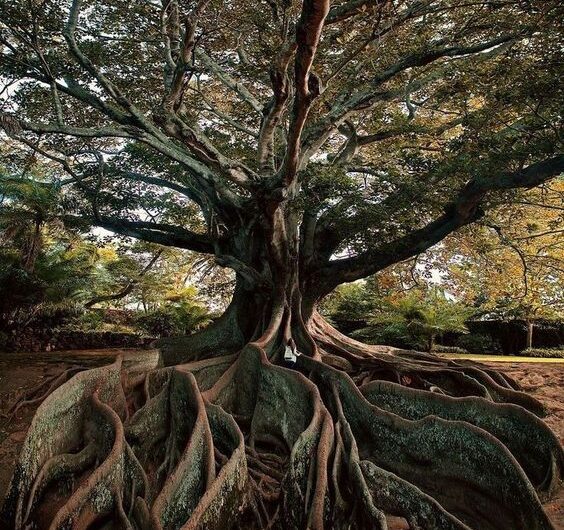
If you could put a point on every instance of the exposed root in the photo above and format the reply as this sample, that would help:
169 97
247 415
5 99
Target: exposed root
238 441
535 447
56 467
37 394
466 470
418 370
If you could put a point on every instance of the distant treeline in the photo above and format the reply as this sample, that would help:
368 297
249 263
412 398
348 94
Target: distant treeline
512 335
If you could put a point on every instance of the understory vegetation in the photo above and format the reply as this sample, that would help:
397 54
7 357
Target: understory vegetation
546 353
58 277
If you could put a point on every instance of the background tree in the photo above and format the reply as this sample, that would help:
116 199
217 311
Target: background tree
511 266
43 266
302 145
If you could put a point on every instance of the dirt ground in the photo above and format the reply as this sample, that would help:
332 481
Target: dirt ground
21 371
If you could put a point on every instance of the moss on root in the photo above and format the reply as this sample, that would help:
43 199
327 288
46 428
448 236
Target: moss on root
237 441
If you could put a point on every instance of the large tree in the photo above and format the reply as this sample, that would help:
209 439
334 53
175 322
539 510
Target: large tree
303 145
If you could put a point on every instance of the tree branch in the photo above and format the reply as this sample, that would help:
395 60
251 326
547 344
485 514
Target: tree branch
350 9
109 87
273 111
308 33
81 132
363 100
160 233
122 293
179 80
462 211
228 81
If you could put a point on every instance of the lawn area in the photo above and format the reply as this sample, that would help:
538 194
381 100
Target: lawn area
498 358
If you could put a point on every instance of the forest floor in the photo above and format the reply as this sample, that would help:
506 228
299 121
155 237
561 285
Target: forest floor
18 372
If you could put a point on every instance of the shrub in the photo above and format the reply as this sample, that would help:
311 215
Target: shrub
174 319
396 334
159 323
89 321
478 343
439 348
545 353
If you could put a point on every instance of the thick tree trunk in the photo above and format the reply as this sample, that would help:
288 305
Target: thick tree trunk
270 302
231 435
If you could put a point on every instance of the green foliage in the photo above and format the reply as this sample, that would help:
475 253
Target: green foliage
18 288
478 343
420 316
181 313
49 272
418 120
470 115
181 318
58 283
392 333
351 302
90 321
439 348
412 319
545 353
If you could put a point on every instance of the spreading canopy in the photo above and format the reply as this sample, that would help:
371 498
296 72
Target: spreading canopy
385 125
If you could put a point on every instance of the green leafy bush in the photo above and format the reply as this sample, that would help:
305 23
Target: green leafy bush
479 343
174 319
90 321
439 348
396 334
348 307
545 353
414 320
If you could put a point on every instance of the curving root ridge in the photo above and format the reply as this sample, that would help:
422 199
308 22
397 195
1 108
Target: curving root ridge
341 441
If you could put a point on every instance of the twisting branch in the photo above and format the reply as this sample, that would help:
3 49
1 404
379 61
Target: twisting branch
209 107
204 151
308 33
522 258
179 80
122 293
160 233
227 80
109 87
80 132
199 147
350 9
363 100
273 111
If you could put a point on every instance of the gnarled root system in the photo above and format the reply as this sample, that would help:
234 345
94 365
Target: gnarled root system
338 441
